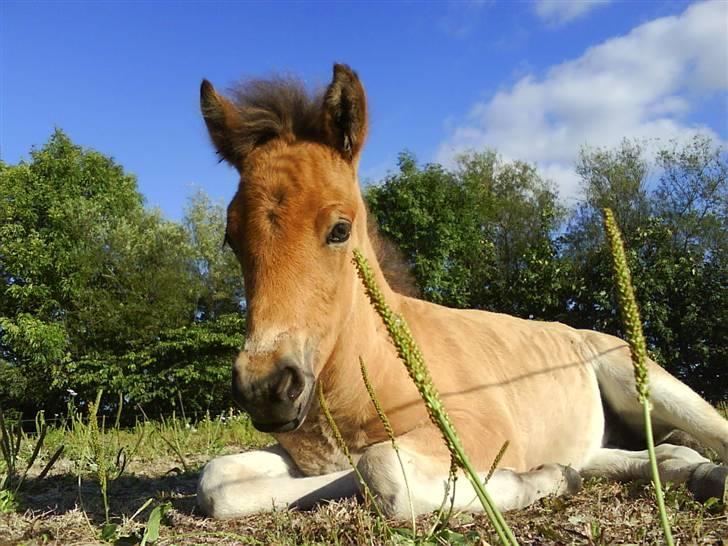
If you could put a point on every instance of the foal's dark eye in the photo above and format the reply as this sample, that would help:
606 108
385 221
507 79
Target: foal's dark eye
339 233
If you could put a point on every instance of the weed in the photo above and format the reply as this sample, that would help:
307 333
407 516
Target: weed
8 501
341 443
390 434
638 349
11 445
410 354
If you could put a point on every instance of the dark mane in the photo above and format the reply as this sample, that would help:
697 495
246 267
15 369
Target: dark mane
392 261
279 107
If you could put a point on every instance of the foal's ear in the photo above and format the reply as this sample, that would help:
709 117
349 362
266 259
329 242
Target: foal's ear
222 120
345 112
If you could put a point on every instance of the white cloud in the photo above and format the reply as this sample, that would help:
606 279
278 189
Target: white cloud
559 12
461 17
642 85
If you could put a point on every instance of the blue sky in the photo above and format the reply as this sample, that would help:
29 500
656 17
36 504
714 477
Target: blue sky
535 80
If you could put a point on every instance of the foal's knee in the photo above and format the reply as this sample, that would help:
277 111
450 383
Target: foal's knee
226 486
210 487
382 472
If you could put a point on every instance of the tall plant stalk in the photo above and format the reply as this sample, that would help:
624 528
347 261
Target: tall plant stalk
390 434
345 450
638 349
410 354
98 451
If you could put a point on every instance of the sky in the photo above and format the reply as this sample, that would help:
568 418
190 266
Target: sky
534 80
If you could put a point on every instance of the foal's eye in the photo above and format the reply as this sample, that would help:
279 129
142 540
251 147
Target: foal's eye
339 233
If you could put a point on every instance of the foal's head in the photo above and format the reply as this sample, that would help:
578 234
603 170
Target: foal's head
292 223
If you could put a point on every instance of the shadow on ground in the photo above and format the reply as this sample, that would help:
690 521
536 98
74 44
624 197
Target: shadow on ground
62 493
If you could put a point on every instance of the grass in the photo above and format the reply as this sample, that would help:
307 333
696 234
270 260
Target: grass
413 360
103 468
638 349
47 511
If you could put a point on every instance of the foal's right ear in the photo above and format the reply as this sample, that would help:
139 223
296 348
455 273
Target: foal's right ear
345 113
222 120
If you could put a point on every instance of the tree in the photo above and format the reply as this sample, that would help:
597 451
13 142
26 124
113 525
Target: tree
478 236
676 237
54 213
98 292
215 268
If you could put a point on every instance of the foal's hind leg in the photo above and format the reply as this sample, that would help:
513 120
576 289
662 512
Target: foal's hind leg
263 480
676 464
674 404
426 487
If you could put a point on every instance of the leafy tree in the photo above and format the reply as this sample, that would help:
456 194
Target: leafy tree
478 236
54 213
215 268
676 236
98 292
425 212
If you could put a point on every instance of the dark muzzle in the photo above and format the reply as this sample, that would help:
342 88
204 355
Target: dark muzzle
279 401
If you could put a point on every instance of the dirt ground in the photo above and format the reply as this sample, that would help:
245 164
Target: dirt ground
57 510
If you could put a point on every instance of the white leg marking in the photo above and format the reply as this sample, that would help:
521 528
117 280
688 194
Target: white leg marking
263 480
510 490
676 464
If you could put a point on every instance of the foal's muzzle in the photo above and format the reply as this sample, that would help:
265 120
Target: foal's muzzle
277 402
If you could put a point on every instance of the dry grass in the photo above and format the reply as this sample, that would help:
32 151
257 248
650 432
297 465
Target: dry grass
56 511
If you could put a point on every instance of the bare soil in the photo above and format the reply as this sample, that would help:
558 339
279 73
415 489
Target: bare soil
57 510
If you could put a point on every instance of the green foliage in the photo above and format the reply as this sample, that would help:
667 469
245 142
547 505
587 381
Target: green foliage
97 292
478 236
219 285
491 235
14 443
8 501
151 532
676 237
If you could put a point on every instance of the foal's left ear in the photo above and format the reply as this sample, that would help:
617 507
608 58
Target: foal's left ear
222 120
345 113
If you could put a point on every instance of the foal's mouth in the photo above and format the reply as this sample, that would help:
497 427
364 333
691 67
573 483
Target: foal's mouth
279 427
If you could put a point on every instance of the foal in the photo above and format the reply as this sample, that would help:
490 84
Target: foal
555 393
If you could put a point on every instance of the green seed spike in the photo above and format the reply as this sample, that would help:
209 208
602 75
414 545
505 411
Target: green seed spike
410 354
345 450
628 305
638 349
377 406
497 460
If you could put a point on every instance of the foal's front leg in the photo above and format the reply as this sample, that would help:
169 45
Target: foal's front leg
427 476
263 480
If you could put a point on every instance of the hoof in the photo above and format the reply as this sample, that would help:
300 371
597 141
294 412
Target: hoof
709 480
573 480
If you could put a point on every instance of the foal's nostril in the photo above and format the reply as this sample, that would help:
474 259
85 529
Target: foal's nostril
290 385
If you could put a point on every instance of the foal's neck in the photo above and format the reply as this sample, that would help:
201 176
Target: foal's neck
363 338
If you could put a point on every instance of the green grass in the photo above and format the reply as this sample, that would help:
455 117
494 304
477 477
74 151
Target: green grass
48 511
206 437
638 349
409 353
